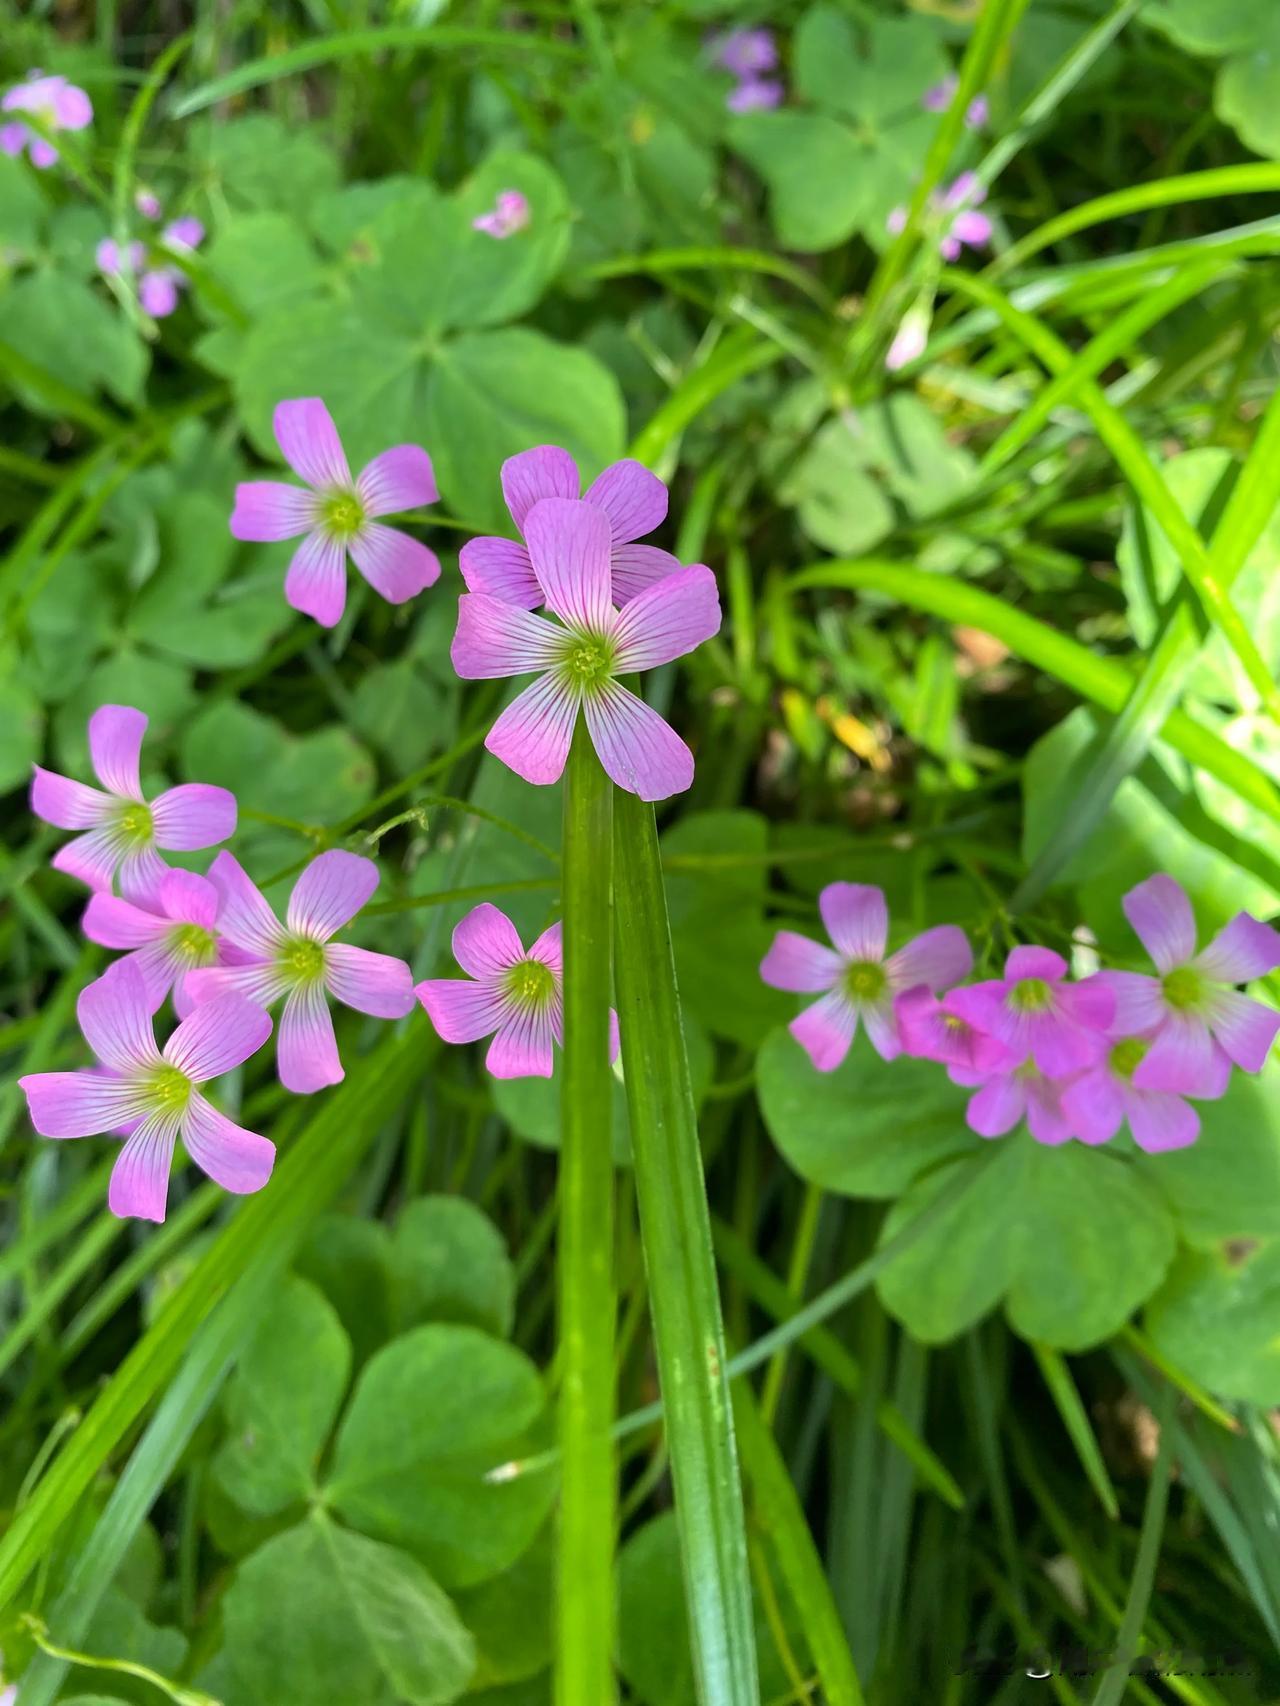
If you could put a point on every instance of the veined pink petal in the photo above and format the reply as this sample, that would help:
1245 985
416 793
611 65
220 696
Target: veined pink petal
461 1011
936 958
244 917
523 1046
159 965
316 581
114 1015
310 444
638 749
532 735
1161 916
397 480
371 983
189 898
486 942
794 962
158 291
568 544
1244 1028
1139 1001
394 565
547 472
633 498
1040 963
219 1034
1183 1058
1091 1003
856 918
261 983
549 948
269 510
115 748
140 1178
68 804
826 1030
637 567
667 620
238 1160
119 924
92 858
79 1104
1094 1105
1045 1119
140 874
933 1030
1160 1121
501 568
306 1048
1059 1046
495 639
1242 950
881 1023
193 815
997 1107
329 893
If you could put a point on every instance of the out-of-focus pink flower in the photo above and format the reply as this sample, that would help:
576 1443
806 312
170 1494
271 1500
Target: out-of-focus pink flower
58 104
939 96
1011 1094
147 204
165 944
509 214
931 1029
910 339
1035 1012
158 286
955 210
745 52
755 94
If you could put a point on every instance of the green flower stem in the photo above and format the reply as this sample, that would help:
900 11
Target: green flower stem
676 1232
588 1499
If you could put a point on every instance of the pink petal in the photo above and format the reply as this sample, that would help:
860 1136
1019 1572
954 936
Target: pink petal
72 108
882 1027
936 958
667 620
140 1178
633 498
1139 1001
568 544
329 893
1161 916
965 189
369 982
189 898
43 154
13 139
115 747
269 510
1182 1058
119 924
997 1107
306 1048
949 248
1094 1105
1091 1003
261 983
639 750
826 1030
115 1017
238 1160
141 874
218 1035
159 965
1045 1119
546 472
974 229
636 567
532 735
92 858
394 565
794 962
1241 951
523 1046
68 804
79 1104
1160 1121
496 639
158 292
549 949
316 581
192 815
310 444
856 918
461 1011
244 917
486 942
1245 1029
184 233
1040 963
397 480
1059 1046
501 568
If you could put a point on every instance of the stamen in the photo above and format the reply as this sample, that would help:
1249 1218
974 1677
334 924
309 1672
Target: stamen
1031 995
864 980
302 959
531 983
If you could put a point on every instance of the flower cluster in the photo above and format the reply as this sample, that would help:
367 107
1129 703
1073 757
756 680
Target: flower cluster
1075 1059
961 226
58 105
158 284
748 54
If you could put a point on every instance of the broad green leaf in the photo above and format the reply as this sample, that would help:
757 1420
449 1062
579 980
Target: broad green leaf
449 1262
819 188
21 732
158 686
282 1400
868 1128
121 1630
496 280
22 207
509 1617
320 1613
73 331
259 161
1072 1240
1247 93
874 75
1216 1317
263 259
473 1401
1207 26
349 1260
1227 1184
401 712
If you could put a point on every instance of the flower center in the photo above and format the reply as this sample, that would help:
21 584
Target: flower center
1031 995
194 943
134 823
1183 988
169 1089
302 959
864 980
1125 1056
588 661
343 514
531 983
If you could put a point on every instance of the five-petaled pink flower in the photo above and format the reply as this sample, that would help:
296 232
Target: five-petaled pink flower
1035 1013
744 52
298 960
1013 1093
516 996
509 214
158 286
931 1029
569 544
855 978
152 1092
124 830
1197 1023
1102 1098
167 943
963 227
633 500
338 514
57 103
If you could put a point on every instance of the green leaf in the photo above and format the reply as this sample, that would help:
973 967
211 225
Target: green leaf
509 1617
874 75
73 332
1206 26
349 1260
449 1262
1227 1183
1072 1240
259 161
1247 93
868 1128
121 1630
1215 1317
282 1401
264 259
473 1401
819 188
401 712
321 1613
21 732
22 207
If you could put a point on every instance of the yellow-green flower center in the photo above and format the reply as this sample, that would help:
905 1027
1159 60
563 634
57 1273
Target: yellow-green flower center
588 661
134 823
1031 995
1183 988
531 983
864 980
169 1089
195 944
1125 1057
302 959
343 514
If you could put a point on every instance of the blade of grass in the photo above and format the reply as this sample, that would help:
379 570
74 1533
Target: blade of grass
1129 1636
658 262
738 354
1063 1391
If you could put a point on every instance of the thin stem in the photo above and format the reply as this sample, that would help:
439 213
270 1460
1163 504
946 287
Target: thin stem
588 1498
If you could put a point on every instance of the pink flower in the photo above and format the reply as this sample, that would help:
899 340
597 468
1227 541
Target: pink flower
580 658
633 500
338 514
744 52
298 960
939 96
513 996
755 94
962 227
164 944
1103 1097
158 286
153 1092
123 829
855 978
510 213
1197 1022
57 103
932 1029
147 204
910 339
1011 1094
1035 1013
